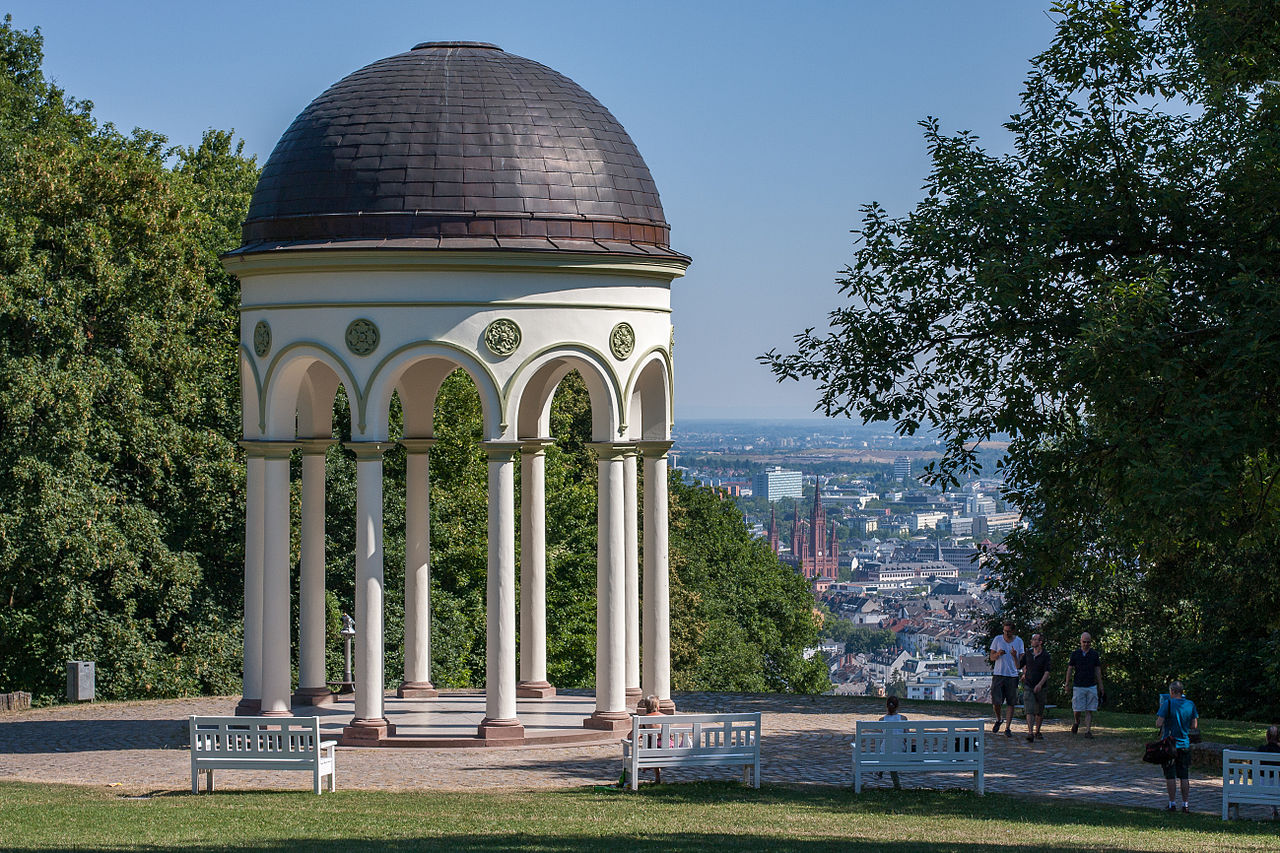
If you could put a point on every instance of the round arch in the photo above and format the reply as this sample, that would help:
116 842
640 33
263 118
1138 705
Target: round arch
533 385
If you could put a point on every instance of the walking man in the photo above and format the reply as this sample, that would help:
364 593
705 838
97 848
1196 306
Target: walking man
1006 655
1035 679
1084 680
1177 718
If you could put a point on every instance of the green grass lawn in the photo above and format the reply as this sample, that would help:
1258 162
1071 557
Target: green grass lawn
702 817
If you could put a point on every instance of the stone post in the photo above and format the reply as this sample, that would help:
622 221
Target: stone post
657 608
500 721
533 571
417 571
611 644
312 689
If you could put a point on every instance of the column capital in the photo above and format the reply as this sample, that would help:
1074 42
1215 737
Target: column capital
501 451
316 446
260 449
653 449
613 449
367 451
536 445
417 445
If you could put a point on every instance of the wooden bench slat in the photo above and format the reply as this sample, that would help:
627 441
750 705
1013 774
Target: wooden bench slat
260 743
693 740
1249 777
931 745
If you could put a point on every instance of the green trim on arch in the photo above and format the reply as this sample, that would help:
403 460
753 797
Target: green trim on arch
671 382
353 386
493 380
257 385
604 363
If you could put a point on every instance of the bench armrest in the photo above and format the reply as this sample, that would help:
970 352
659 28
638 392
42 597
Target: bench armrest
328 744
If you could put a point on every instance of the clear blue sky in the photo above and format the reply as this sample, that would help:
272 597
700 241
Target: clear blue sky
766 125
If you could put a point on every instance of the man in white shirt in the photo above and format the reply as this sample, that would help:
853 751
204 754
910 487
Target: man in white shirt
1006 658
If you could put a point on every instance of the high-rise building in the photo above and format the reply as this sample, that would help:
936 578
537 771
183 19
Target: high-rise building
776 483
901 469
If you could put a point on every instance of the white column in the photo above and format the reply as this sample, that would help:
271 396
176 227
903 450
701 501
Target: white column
417 570
311 585
632 585
500 722
251 701
657 612
370 722
533 571
277 673
611 644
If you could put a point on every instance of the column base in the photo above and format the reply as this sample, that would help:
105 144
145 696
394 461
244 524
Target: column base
500 730
367 732
534 690
609 721
276 713
342 688
634 695
666 706
312 696
248 707
417 690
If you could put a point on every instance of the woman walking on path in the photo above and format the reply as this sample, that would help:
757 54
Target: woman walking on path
1177 719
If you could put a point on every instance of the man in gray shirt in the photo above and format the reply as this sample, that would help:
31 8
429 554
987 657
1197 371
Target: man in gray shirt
1006 658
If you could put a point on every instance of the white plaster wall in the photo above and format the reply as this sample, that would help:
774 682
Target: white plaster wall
427 304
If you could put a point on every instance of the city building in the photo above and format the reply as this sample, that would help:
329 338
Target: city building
984 525
901 469
777 483
813 554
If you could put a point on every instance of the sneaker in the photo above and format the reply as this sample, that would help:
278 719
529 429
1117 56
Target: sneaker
1171 808
1089 734
1186 809
996 727
1075 727
1039 736
1031 738
1008 732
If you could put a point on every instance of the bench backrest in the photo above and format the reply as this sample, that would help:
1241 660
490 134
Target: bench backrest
1245 768
922 737
697 733
284 737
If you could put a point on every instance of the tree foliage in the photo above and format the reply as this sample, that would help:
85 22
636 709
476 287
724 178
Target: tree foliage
1106 294
119 516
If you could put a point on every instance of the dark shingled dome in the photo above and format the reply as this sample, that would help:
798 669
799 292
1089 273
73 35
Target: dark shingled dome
457 145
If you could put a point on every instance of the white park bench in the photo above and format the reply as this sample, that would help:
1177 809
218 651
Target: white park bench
1249 777
259 743
933 745
693 740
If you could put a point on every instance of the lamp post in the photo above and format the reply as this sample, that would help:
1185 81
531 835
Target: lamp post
347 633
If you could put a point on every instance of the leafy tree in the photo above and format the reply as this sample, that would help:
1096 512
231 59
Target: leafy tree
1106 296
119 519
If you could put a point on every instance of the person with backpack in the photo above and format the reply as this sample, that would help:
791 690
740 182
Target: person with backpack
1179 720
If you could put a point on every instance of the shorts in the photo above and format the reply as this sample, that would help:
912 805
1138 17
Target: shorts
1084 698
1181 765
1004 688
1034 700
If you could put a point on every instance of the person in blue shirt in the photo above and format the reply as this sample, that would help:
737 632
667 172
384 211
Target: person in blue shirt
1177 719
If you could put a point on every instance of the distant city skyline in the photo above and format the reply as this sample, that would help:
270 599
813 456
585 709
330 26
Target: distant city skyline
766 126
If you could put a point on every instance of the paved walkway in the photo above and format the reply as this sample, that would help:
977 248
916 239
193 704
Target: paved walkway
141 747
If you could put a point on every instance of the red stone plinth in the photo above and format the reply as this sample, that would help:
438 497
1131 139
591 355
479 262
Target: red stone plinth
417 690
500 730
534 690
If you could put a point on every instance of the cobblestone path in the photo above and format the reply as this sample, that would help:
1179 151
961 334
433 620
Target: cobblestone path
141 747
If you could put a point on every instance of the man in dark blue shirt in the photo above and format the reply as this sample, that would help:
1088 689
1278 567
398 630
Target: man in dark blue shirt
1084 680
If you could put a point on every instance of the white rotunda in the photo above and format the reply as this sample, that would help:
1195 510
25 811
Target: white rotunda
454 206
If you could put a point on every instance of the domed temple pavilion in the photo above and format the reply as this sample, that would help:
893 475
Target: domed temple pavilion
454 206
